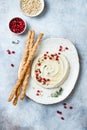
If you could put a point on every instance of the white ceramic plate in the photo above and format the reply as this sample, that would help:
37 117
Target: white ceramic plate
42 95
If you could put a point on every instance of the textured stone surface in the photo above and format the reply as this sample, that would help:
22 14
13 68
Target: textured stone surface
61 18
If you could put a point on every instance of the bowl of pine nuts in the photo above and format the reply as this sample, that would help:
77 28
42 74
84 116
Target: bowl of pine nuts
32 8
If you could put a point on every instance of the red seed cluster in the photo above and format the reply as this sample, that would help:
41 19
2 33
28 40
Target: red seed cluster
51 56
10 52
59 112
17 25
39 78
65 107
61 48
43 80
39 92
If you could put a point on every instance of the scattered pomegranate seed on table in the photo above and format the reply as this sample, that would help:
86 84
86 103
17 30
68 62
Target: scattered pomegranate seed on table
62 118
9 52
13 52
64 104
71 107
12 65
59 112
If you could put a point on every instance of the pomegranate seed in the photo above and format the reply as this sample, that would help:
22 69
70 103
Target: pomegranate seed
59 112
13 52
61 47
71 107
47 52
12 65
64 104
37 94
52 55
59 53
44 79
45 58
62 118
50 58
36 76
39 64
38 91
56 58
39 80
9 52
66 48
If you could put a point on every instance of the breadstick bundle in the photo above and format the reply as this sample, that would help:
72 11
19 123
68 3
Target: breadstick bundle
22 81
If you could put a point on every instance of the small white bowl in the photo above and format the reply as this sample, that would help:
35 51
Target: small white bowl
42 8
19 25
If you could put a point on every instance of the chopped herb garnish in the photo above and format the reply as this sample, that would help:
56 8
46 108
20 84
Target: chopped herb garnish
48 73
38 60
45 66
60 90
57 93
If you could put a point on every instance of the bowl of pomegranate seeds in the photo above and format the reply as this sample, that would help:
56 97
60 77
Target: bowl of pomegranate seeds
17 25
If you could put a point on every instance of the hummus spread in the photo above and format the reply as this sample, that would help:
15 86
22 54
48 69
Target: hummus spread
50 70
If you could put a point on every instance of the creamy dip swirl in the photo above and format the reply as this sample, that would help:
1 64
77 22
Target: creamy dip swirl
50 71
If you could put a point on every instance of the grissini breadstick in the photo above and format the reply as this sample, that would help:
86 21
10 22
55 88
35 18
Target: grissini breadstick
17 95
20 80
25 82
28 71
26 53
26 78
24 59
